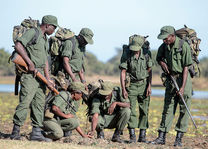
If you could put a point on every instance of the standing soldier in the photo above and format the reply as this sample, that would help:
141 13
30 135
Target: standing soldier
136 62
32 93
73 55
174 59
109 110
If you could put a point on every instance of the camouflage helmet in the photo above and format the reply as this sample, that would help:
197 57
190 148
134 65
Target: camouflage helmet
106 88
61 81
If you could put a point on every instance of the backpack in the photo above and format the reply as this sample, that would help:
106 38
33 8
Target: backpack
55 44
18 31
25 25
190 36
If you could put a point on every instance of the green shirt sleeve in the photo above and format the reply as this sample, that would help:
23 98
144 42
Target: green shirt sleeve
26 37
95 106
59 102
186 58
67 49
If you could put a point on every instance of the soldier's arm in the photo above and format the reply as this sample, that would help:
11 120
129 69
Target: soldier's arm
79 130
56 110
67 68
122 81
93 124
81 76
120 104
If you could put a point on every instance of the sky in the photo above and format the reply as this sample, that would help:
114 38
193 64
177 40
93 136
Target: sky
112 21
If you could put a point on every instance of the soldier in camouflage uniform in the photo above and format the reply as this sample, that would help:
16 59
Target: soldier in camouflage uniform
32 92
136 62
109 110
62 118
175 60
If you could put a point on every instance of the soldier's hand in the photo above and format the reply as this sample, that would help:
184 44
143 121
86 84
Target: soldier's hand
69 115
164 67
31 67
181 90
125 94
50 85
111 108
91 133
148 91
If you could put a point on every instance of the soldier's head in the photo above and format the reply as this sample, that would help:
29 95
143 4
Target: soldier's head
167 34
77 89
106 89
50 23
85 37
136 42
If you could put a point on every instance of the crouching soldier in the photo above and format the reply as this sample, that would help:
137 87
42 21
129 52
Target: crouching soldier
109 110
62 116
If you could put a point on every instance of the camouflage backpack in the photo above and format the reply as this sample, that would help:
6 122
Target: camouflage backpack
26 24
55 43
190 36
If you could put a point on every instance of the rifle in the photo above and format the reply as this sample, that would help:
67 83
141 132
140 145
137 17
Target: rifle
177 88
20 63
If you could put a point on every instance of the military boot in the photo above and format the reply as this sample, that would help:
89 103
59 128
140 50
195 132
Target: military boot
142 136
15 133
100 134
178 139
116 137
160 139
67 133
36 135
132 135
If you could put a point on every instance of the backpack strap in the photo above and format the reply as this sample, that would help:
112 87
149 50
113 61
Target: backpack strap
35 37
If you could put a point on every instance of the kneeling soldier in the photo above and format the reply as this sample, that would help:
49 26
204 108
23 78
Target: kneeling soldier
109 110
64 117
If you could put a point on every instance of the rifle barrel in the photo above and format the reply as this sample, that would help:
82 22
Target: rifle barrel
177 88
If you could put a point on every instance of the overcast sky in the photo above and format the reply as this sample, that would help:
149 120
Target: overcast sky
112 21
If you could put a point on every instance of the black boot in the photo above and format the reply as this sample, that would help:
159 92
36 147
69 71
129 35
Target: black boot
100 134
116 137
160 139
132 135
36 135
178 139
15 133
142 136
67 133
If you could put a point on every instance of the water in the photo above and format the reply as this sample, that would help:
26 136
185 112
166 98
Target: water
155 92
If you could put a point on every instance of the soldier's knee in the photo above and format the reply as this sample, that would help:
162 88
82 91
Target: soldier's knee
126 111
58 134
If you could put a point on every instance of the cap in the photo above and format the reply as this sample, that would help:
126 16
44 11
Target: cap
136 42
87 34
49 19
165 31
106 88
78 86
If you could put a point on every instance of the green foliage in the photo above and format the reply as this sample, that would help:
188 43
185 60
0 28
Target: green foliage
6 68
